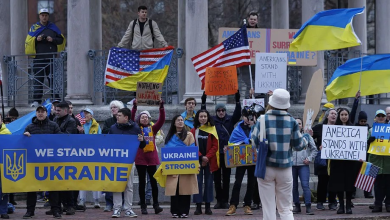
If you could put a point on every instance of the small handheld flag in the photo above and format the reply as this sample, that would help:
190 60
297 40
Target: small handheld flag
366 177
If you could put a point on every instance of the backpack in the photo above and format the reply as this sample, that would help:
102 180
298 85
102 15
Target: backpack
150 26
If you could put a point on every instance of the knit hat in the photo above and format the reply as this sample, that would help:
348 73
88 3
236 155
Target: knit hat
145 112
219 106
280 99
362 115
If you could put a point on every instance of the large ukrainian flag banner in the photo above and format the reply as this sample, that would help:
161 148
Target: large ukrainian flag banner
375 77
66 162
327 30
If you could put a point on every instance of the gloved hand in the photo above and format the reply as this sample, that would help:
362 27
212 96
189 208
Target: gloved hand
135 102
204 97
161 103
237 96
370 140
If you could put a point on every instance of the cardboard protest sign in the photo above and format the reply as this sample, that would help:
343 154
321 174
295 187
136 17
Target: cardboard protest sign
179 160
344 142
313 99
221 80
381 145
249 102
148 93
271 72
272 41
240 155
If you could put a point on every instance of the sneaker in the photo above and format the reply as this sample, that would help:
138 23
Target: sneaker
320 206
130 213
231 211
97 205
116 214
184 216
175 216
57 215
255 206
247 210
34 104
28 215
333 206
108 208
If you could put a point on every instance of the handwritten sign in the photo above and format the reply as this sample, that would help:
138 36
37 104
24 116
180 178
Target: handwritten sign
249 102
272 41
148 93
271 72
381 145
344 142
179 160
240 155
221 80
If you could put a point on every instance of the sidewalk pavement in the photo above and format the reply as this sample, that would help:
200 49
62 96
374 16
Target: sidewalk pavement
361 211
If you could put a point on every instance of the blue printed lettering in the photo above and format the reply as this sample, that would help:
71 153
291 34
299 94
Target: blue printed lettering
44 176
109 173
85 173
121 173
70 172
55 173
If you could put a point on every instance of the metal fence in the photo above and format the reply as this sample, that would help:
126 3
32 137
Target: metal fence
99 59
35 79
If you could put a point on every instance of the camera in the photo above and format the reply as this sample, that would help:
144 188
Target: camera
253 111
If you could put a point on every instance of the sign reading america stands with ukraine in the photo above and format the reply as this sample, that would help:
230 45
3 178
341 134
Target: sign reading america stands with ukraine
66 162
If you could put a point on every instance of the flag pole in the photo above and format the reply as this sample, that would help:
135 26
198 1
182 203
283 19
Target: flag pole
250 70
2 96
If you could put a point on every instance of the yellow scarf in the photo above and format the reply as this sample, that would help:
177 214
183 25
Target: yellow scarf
4 129
94 127
211 130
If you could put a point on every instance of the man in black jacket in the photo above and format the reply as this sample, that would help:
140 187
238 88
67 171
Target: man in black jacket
67 126
40 125
126 126
224 124
46 42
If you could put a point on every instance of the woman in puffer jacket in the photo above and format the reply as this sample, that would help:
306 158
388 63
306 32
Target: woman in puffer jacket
301 169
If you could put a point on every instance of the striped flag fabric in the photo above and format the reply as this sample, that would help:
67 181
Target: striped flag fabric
366 177
126 67
233 51
81 117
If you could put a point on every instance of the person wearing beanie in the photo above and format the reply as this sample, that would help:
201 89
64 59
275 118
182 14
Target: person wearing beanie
146 160
283 135
324 109
224 123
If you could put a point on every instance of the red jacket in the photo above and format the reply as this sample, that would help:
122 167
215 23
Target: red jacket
149 158
212 148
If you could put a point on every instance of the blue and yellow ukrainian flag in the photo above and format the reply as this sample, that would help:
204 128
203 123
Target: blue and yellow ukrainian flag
375 77
33 33
327 30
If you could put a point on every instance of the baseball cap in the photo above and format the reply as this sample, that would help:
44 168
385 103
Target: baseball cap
88 110
41 107
44 10
380 111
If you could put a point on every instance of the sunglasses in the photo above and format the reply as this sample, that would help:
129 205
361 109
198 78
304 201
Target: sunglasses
220 110
380 115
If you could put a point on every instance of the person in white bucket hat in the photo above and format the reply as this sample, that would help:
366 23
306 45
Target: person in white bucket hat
282 132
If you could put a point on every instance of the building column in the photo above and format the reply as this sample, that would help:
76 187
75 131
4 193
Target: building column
95 27
5 48
196 42
309 9
79 42
181 43
19 29
279 14
382 32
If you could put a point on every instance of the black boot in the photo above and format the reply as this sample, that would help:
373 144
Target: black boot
198 210
348 207
297 208
144 211
207 210
157 208
308 210
341 209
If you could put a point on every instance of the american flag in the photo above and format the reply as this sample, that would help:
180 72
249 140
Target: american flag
233 51
81 117
366 177
122 63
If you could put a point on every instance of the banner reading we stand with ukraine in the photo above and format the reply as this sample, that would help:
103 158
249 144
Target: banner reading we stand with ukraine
66 162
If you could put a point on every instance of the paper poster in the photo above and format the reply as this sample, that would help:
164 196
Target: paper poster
148 93
271 72
381 145
313 99
221 80
249 102
240 155
179 160
344 142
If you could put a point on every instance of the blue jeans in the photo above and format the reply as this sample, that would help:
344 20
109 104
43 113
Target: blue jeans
3 201
109 199
304 174
148 191
208 186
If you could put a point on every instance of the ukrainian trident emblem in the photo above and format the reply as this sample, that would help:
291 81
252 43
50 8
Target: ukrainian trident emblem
15 164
